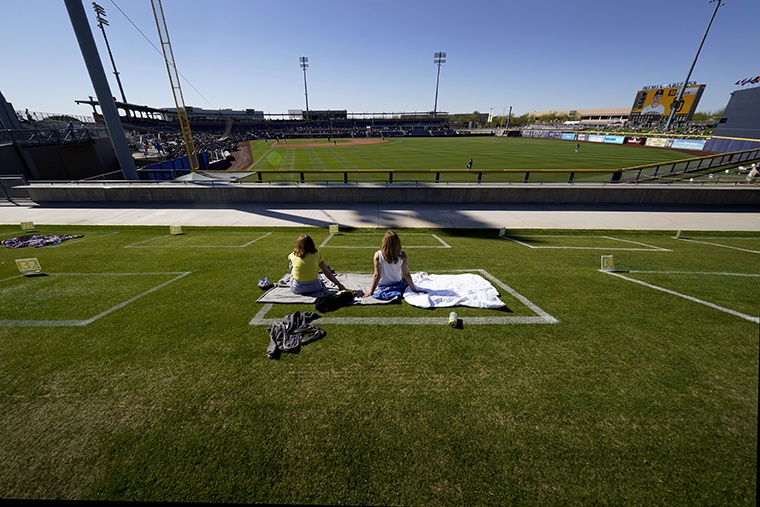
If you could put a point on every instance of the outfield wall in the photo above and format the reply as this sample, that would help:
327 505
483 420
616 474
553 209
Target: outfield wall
220 193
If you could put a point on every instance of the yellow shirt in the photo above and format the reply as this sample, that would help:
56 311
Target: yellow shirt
306 269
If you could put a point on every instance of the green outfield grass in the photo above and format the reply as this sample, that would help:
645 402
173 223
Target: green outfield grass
430 155
644 391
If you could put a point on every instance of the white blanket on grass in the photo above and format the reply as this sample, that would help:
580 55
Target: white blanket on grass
453 290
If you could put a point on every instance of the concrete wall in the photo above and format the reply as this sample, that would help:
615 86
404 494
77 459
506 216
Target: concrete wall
610 194
60 162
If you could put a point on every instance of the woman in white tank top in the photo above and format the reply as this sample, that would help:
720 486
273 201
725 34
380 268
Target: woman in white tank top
391 264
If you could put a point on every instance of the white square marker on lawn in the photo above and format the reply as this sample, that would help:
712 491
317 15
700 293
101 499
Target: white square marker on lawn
539 317
83 322
642 247
377 238
182 242
729 311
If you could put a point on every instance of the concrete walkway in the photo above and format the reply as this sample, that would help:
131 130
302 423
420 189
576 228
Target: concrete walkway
377 215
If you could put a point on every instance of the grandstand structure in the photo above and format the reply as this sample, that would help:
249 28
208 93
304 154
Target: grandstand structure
600 116
739 128
295 123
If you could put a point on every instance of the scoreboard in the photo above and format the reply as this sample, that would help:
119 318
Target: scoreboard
653 102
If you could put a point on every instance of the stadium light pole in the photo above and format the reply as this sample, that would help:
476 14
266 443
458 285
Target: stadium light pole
438 59
305 65
677 103
100 15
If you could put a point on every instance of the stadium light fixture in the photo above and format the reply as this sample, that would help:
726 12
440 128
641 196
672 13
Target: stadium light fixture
438 59
678 102
100 15
305 65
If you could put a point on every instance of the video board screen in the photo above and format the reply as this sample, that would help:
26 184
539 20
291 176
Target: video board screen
652 102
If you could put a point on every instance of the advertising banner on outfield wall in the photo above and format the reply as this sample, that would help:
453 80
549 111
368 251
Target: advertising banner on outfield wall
688 144
594 138
657 142
614 139
568 137
635 140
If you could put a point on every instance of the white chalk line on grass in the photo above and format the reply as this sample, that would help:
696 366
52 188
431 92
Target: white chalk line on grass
720 245
738 238
689 273
66 323
406 247
262 157
542 317
649 248
750 318
140 243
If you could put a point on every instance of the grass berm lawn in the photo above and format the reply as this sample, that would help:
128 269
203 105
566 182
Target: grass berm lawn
644 391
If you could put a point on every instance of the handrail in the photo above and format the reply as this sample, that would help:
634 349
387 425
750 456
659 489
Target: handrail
648 173
51 136
436 172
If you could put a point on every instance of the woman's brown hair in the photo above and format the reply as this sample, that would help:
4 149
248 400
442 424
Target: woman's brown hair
304 245
391 247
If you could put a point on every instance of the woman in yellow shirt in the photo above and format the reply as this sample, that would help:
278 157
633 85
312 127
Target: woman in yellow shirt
305 263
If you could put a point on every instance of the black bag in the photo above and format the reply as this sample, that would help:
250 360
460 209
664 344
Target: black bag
331 302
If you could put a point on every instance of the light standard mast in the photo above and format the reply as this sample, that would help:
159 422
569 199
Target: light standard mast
438 59
100 15
305 65
678 102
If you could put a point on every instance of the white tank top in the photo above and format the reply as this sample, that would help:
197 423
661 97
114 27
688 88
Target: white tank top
389 273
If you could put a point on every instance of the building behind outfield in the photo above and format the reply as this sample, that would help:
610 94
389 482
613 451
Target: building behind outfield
739 128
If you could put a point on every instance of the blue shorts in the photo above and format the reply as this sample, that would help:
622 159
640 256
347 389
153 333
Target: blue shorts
386 292
310 287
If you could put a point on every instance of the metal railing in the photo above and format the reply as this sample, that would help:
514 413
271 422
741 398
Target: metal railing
654 173
425 176
681 171
48 137
663 172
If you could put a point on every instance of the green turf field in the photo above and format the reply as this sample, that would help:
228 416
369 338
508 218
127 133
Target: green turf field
434 154
132 370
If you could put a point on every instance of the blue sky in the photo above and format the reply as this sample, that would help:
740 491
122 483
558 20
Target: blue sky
377 55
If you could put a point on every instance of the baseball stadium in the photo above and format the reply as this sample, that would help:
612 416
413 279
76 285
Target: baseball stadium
577 321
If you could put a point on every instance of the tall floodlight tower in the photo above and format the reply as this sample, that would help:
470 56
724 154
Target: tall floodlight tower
100 15
305 65
676 105
438 59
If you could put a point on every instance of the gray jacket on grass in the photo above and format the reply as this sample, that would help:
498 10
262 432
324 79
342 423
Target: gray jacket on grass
294 330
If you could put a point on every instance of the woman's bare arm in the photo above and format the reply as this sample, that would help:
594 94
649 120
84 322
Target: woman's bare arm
329 274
